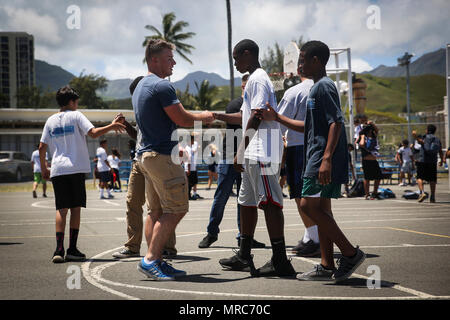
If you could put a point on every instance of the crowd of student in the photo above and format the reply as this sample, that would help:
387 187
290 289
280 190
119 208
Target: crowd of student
315 153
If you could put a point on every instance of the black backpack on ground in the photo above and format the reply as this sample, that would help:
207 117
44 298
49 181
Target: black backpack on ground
357 190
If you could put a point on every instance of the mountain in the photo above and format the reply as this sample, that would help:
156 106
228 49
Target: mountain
199 76
118 89
51 77
429 63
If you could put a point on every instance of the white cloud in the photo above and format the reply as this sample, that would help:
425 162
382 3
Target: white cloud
111 35
43 27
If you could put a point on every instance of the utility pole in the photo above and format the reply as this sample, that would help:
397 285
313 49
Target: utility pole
405 60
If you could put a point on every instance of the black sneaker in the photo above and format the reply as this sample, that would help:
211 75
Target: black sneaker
298 247
278 269
34 194
375 196
235 263
75 255
207 241
255 244
319 273
347 265
58 256
125 253
309 249
168 254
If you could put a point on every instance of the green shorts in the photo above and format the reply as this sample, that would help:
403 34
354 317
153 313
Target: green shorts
38 178
312 189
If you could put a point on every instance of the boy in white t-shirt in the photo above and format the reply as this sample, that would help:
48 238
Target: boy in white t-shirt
406 159
65 135
190 167
104 169
36 163
114 160
259 158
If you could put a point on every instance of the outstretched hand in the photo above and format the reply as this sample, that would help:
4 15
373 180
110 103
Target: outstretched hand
208 116
267 114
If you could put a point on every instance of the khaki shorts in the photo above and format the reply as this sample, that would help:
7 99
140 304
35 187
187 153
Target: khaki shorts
167 185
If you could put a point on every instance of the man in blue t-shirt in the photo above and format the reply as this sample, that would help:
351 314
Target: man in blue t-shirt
158 111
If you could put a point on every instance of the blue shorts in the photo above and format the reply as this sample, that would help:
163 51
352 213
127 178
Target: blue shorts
294 170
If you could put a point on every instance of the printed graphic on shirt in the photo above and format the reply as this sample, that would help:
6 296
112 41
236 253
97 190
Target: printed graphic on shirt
62 131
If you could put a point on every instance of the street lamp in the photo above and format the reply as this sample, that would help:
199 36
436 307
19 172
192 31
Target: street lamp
405 61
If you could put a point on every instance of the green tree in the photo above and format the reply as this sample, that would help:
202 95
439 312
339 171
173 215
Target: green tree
86 86
273 58
172 32
207 97
48 100
187 100
29 97
272 61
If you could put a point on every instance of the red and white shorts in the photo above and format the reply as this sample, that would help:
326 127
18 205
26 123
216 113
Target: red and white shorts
260 185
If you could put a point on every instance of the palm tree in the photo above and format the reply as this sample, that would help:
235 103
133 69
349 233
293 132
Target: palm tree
172 32
206 95
230 54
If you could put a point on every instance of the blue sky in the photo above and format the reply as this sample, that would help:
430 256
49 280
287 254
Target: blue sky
111 32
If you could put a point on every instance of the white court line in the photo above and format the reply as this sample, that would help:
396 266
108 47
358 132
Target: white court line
417 293
94 276
113 203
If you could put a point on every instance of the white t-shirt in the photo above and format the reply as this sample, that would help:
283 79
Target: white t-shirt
37 161
65 134
293 106
266 145
113 161
192 152
406 154
102 157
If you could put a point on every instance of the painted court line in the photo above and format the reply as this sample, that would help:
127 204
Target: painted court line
94 276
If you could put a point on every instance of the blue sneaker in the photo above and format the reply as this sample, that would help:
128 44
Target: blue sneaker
154 271
168 269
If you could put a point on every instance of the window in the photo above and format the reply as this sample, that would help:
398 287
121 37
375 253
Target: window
4 155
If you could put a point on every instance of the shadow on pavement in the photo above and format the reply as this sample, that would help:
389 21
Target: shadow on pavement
361 283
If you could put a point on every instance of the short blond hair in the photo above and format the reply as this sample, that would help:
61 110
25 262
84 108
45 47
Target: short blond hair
155 46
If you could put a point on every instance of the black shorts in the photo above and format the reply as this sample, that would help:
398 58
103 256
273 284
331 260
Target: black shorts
104 176
294 169
427 171
212 167
371 170
193 178
70 191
